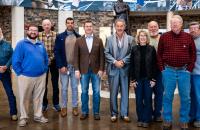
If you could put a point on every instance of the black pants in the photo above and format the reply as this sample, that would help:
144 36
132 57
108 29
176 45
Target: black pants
54 80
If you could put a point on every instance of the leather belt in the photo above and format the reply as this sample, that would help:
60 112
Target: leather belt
176 68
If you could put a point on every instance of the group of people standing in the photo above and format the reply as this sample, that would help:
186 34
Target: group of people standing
150 62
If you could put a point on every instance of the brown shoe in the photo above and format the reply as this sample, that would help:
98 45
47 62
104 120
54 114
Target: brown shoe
63 112
83 116
75 111
167 125
126 119
184 126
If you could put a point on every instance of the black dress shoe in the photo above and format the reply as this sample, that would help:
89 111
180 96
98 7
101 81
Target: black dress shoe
83 116
158 119
96 117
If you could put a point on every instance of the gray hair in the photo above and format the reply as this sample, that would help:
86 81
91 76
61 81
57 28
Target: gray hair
194 23
177 17
120 20
152 22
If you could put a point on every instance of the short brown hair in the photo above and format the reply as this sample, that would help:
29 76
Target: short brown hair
87 21
32 25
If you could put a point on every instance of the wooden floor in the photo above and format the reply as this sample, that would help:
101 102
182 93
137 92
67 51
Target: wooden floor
56 122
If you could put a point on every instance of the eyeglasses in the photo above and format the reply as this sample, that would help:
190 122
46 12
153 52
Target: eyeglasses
33 30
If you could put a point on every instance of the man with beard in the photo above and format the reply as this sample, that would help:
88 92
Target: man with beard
30 63
194 29
153 29
64 55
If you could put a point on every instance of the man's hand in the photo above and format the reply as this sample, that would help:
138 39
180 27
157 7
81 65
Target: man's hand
134 84
100 73
77 74
1 34
152 84
63 70
119 64
3 69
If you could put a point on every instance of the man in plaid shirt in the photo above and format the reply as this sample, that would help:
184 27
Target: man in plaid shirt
176 58
48 38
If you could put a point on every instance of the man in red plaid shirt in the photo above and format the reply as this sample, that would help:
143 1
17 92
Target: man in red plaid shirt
176 58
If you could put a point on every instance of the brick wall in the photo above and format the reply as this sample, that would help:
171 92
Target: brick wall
35 16
99 19
5 22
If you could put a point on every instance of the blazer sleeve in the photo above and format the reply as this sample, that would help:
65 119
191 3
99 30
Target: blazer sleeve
108 52
102 56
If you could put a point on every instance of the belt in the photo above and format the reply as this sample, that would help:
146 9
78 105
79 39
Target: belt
177 68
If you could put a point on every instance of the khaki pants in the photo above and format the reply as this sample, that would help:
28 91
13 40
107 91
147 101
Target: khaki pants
31 88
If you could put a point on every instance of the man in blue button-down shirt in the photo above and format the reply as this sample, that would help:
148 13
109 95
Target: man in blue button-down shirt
5 74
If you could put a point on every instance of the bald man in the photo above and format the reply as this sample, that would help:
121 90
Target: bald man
153 29
48 38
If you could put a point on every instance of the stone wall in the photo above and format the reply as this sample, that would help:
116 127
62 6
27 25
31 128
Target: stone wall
5 22
99 19
140 22
35 16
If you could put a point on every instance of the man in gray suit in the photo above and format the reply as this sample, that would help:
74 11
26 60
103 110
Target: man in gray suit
117 53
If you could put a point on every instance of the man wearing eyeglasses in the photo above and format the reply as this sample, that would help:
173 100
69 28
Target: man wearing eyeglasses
30 63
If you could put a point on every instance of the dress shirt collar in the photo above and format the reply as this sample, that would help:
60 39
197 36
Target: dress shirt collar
89 36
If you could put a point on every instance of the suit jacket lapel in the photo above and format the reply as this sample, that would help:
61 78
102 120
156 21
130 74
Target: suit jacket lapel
125 45
114 44
94 42
84 43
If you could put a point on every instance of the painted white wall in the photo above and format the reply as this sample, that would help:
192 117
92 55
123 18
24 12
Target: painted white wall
62 15
169 16
17 24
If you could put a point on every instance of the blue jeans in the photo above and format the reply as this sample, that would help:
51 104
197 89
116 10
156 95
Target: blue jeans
143 93
195 98
7 84
85 79
64 78
158 92
170 78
